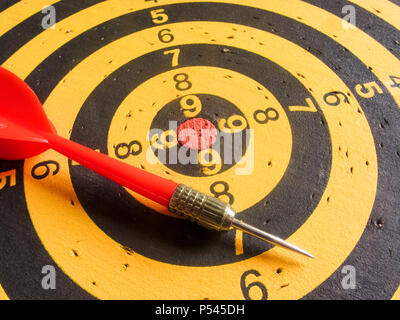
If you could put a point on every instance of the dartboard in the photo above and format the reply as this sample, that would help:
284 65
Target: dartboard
315 83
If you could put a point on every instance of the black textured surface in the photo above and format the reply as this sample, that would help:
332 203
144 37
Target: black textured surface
376 256
146 234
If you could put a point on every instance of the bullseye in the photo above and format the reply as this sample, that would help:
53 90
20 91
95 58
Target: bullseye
197 134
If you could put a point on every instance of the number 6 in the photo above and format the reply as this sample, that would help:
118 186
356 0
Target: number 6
246 288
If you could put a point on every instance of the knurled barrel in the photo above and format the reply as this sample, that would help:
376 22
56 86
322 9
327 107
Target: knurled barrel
207 211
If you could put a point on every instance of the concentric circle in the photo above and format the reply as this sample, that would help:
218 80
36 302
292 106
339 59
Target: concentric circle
213 126
316 165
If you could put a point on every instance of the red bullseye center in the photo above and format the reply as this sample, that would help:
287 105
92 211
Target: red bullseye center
197 134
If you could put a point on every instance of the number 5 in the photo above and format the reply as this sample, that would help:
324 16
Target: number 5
159 16
368 90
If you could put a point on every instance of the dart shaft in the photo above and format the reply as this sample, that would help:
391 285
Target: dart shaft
207 211
140 181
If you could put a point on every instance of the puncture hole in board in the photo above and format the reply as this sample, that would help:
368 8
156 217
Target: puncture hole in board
267 221
379 223
74 253
301 75
128 250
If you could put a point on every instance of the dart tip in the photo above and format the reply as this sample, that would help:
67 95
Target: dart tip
293 248
268 237
309 255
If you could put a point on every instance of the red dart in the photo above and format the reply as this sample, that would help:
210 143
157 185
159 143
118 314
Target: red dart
25 131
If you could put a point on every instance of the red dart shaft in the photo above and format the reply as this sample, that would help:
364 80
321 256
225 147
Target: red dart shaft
145 183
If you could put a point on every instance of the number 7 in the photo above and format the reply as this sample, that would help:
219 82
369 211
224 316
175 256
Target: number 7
175 56
311 107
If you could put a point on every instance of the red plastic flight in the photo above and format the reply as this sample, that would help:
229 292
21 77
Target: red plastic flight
25 131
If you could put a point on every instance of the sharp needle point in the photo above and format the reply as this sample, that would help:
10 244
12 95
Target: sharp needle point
268 237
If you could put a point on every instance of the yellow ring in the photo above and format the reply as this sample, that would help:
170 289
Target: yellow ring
340 217
275 136
396 296
3 295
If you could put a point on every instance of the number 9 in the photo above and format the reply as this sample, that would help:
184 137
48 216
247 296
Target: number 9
228 126
192 106
215 161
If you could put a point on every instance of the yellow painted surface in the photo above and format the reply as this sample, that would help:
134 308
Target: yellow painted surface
363 46
50 40
102 257
384 9
21 11
396 296
339 215
3 295
243 92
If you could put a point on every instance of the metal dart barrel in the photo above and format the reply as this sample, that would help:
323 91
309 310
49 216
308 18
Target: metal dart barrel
215 214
